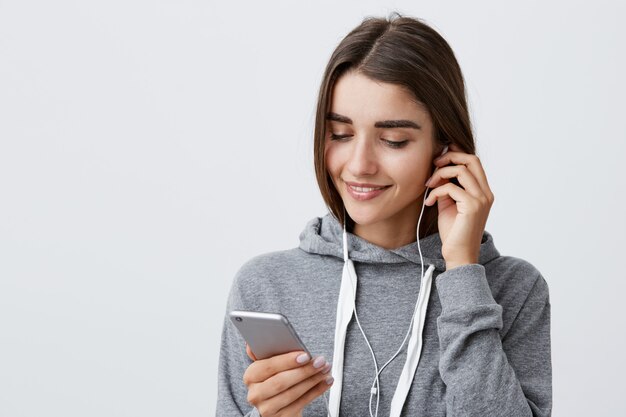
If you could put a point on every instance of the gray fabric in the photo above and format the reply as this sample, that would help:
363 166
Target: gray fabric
486 345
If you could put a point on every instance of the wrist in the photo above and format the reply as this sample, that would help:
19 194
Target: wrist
454 264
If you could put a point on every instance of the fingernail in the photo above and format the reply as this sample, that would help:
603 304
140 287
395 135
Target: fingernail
302 358
428 181
326 368
330 380
319 362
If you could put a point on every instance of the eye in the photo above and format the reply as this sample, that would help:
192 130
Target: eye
337 137
395 144
391 143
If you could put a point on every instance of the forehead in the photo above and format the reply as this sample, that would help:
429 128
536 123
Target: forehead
362 98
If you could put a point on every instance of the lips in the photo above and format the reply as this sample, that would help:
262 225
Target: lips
366 185
362 191
365 189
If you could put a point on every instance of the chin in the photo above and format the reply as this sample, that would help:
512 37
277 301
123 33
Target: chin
364 217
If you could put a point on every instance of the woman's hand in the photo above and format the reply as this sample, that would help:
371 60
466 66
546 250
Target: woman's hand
281 386
462 212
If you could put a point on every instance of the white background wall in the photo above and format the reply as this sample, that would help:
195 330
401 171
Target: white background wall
149 148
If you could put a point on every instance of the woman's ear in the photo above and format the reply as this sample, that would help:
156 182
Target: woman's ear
443 151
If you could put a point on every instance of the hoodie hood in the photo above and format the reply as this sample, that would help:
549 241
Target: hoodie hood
323 236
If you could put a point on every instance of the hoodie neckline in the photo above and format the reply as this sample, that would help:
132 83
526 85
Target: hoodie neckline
323 236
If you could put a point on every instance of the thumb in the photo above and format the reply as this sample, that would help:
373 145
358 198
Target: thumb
249 352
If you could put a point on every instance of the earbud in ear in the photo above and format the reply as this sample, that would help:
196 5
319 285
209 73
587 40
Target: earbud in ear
445 149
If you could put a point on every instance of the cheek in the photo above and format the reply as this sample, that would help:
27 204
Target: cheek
333 160
411 171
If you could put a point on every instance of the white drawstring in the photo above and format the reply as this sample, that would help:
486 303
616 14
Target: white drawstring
414 344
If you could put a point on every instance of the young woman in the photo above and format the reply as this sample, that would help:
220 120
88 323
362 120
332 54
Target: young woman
400 219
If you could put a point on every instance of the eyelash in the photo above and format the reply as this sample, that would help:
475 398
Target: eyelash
391 143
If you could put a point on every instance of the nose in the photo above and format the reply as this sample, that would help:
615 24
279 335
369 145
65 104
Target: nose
362 160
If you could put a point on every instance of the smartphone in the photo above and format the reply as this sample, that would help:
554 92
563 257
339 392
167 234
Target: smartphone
267 334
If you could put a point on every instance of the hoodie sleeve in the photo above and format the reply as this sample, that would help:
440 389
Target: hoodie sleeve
232 393
487 375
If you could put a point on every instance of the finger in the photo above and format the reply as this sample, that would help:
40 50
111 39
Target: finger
250 353
284 380
472 162
311 395
262 369
466 179
301 395
464 200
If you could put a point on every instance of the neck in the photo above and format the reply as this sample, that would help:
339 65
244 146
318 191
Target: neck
394 234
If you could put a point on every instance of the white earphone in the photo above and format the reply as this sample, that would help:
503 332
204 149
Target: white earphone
419 311
445 149
374 390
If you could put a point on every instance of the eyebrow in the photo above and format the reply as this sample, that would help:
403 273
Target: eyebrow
388 124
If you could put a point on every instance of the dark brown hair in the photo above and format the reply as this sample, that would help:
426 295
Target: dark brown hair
407 52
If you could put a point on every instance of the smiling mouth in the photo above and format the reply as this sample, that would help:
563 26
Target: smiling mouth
366 189
365 193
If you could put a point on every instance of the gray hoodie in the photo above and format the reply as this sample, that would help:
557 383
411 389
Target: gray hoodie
486 340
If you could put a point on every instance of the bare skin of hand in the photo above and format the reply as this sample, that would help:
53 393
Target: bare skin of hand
463 211
281 387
